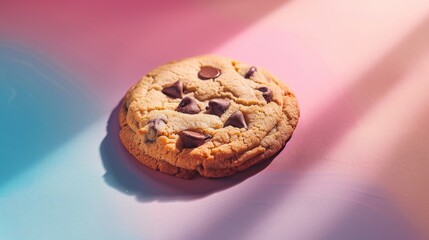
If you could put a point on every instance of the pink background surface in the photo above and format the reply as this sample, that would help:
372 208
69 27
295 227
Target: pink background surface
356 168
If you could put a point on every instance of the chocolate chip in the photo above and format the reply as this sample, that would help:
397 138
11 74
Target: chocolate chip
153 128
250 72
236 120
158 122
151 135
191 139
217 106
208 72
174 90
188 105
266 93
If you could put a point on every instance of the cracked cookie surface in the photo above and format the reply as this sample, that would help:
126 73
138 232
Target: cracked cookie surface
206 115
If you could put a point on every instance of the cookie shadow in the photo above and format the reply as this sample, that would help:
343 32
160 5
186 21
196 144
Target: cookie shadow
130 177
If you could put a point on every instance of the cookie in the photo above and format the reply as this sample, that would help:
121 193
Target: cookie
208 115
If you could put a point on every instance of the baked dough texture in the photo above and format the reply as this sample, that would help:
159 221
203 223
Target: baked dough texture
170 122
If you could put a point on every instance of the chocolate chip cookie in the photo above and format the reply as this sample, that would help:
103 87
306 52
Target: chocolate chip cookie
206 115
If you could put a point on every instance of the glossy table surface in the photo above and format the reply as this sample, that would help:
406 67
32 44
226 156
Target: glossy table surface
356 168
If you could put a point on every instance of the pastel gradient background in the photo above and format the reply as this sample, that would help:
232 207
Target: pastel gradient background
356 168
